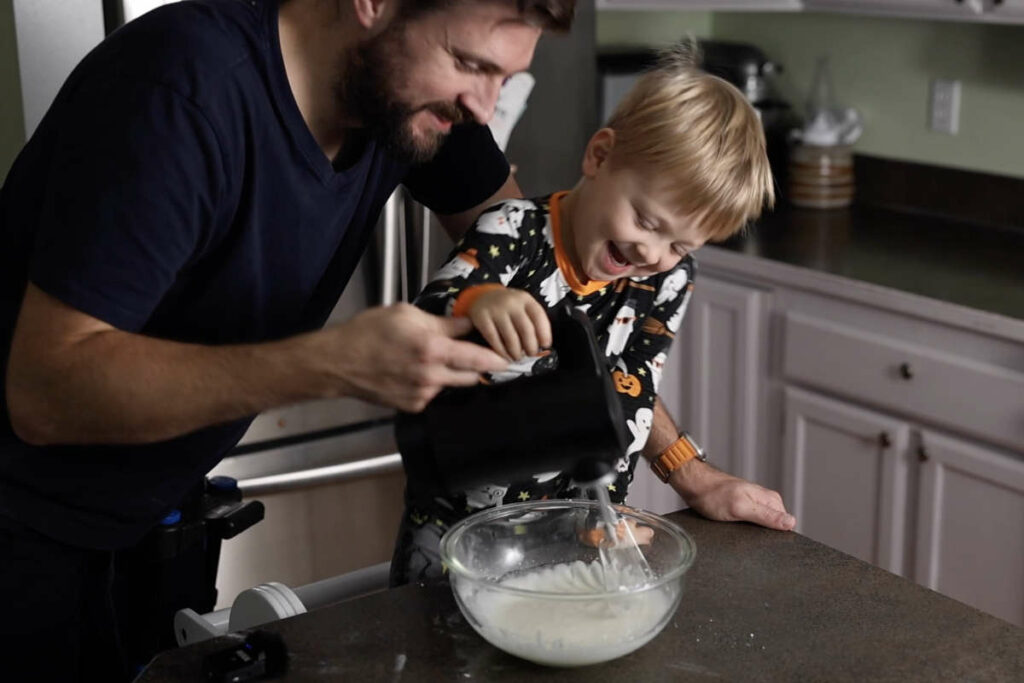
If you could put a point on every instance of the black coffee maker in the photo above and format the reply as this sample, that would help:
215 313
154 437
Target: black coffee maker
750 70
568 419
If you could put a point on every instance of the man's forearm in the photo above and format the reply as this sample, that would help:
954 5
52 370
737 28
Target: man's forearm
118 387
73 379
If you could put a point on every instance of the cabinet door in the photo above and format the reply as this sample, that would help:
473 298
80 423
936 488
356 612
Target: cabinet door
970 535
844 476
1011 11
722 373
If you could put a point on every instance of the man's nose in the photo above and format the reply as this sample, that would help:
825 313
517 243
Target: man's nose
482 98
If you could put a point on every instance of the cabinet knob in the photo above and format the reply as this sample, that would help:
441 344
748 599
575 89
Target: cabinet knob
906 372
884 440
922 454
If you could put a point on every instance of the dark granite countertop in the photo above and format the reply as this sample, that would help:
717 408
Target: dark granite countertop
955 261
759 605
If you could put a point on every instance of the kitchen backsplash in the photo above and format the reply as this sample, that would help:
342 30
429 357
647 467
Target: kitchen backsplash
884 67
978 198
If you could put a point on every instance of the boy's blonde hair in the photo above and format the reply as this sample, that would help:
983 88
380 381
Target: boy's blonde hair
700 133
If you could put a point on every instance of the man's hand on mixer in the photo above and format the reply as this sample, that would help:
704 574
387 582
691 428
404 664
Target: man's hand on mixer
725 498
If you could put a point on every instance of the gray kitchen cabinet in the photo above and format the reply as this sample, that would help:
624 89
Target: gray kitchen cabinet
851 475
844 476
1011 11
725 336
910 373
892 424
895 382
970 524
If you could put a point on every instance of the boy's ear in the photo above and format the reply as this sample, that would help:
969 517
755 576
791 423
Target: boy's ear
373 14
598 151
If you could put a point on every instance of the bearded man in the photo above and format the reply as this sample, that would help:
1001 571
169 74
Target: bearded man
172 240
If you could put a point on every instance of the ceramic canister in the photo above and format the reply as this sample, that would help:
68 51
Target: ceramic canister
821 177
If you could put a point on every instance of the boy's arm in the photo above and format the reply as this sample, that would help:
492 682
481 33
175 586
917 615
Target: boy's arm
711 492
487 256
74 379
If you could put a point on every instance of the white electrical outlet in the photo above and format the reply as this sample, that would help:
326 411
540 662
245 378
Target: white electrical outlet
944 114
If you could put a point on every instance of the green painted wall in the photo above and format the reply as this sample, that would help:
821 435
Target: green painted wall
12 121
650 28
884 68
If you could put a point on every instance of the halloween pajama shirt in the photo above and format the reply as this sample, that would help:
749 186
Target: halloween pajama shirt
517 244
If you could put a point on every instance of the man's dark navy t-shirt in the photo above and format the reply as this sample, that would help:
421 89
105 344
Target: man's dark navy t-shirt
174 190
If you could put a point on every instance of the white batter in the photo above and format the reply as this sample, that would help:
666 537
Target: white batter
560 632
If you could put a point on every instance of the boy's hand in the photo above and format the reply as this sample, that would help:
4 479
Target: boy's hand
512 322
641 534
725 498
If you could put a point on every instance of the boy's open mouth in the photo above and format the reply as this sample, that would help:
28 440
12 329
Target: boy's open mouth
617 256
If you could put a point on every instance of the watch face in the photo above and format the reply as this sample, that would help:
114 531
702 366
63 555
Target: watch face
698 451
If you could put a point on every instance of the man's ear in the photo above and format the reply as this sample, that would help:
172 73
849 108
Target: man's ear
374 14
598 151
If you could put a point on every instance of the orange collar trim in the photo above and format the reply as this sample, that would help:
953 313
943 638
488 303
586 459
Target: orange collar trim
577 284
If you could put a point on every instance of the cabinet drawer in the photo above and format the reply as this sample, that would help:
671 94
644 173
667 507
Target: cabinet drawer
957 391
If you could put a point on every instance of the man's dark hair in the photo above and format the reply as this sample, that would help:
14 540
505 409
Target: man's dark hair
550 15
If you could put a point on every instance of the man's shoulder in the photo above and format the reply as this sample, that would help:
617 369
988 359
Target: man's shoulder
190 46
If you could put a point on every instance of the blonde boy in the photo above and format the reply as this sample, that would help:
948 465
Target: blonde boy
681 162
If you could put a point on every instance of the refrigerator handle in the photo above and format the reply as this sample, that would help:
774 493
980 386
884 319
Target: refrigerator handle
425 265
405 241
392 209
320 476
406 251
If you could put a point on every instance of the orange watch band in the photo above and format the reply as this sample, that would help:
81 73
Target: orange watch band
683 450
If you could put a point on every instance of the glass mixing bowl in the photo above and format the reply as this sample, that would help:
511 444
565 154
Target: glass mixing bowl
528 578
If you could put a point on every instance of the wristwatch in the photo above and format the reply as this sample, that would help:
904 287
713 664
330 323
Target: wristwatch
672 458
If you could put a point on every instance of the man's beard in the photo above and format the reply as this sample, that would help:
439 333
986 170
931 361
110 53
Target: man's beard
369 93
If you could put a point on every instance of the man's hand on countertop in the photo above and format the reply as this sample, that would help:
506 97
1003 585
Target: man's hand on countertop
725 498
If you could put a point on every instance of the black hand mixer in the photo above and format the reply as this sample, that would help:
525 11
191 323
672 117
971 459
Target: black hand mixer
566 420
